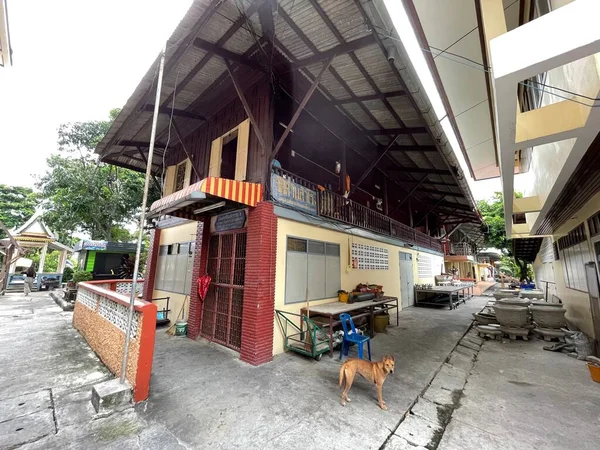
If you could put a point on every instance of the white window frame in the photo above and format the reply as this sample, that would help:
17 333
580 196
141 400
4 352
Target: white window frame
175 261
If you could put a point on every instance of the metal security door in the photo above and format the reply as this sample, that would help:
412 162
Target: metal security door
222 307
407 291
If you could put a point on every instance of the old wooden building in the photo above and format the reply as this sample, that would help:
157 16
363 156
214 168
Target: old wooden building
297 156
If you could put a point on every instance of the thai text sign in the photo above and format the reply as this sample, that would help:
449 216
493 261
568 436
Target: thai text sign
230 221
292 194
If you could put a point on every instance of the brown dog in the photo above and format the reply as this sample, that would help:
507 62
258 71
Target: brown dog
376 372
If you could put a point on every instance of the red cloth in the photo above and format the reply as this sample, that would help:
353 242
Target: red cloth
203 283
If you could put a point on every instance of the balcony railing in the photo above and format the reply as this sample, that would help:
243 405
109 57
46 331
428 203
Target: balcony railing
337 207
461 249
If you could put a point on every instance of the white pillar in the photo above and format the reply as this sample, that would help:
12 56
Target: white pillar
43 258
62 261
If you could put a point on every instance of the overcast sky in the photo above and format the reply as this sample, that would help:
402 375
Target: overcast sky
75 60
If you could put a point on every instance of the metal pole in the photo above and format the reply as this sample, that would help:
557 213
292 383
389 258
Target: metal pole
142 216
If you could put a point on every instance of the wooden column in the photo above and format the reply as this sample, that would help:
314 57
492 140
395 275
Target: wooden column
343 171
410 214
427 224
386 208
43 258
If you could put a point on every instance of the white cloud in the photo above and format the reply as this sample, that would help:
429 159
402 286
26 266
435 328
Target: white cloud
73 60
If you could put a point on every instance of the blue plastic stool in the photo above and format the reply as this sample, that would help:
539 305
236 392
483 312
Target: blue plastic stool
352 337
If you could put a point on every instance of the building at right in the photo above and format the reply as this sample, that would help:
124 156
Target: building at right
522 80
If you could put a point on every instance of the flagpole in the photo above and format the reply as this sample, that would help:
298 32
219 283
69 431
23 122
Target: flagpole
142 216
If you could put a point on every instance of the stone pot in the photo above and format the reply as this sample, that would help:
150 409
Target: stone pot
511 315
548 316
540 303
533 293
485 319
504 293
513 301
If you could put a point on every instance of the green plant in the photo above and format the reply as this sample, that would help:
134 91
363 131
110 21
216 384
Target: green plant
82 275
67 274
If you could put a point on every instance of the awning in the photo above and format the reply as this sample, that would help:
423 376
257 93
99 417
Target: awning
183 203
526 248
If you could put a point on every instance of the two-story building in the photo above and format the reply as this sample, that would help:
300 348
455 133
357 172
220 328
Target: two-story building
522 80
297 156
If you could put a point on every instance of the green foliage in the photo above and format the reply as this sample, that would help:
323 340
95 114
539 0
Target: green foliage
82 275
67 274
17 205
51 262
83 194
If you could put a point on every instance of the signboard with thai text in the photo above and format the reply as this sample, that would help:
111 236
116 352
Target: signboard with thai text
90 245
233 220
288 193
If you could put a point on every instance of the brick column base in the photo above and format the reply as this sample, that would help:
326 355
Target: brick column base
199 268
259 285
151 260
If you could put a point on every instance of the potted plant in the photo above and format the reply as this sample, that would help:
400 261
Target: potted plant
81 275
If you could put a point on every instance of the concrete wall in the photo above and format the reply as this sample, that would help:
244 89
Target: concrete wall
181 233
548 160
576 303
389 279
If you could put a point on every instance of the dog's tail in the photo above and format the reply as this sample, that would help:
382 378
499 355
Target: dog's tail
342 375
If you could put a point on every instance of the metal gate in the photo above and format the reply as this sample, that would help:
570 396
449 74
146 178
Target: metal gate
222 307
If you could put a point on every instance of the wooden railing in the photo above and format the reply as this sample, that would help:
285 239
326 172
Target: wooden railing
337 207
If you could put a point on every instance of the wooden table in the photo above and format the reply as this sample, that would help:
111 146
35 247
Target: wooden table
450 291
333 310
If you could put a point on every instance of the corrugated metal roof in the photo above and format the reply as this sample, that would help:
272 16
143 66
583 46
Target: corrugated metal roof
303 28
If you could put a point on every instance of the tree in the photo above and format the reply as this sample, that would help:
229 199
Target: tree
85 195
17 205
493 216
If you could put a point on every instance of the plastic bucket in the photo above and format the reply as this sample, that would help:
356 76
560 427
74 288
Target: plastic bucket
180 328
380 322
594 372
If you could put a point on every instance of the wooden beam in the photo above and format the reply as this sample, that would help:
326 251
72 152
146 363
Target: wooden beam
431 210
303 103
412 191
341 49
153 177
373 164
242 97
413 148
433 191
174 112
226 54
367 98
190 156
394 131
127 143
419 170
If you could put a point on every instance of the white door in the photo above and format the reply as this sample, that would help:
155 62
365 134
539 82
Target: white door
407 291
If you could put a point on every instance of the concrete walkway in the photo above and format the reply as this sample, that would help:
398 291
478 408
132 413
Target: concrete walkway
519 396
46 375
209 399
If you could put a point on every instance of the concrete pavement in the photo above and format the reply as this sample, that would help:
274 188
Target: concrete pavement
46 375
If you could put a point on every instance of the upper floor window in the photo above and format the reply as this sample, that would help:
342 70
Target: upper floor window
229 153
177 177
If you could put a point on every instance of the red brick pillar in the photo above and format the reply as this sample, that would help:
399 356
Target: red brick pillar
200 260
151 260
259 285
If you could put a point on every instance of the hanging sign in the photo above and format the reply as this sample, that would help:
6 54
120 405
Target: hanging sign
91 245
292 194
230 221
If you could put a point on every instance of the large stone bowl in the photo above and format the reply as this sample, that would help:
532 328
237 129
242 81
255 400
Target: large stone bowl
504 293
532 294
513 301
542 303
485 319
548 316
511 315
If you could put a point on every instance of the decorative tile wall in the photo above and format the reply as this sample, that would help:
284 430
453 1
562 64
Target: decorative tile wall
369 257
87 298
124 287
117 314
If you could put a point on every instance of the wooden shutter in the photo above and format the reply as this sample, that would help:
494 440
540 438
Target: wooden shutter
214 168
241 159
169 180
